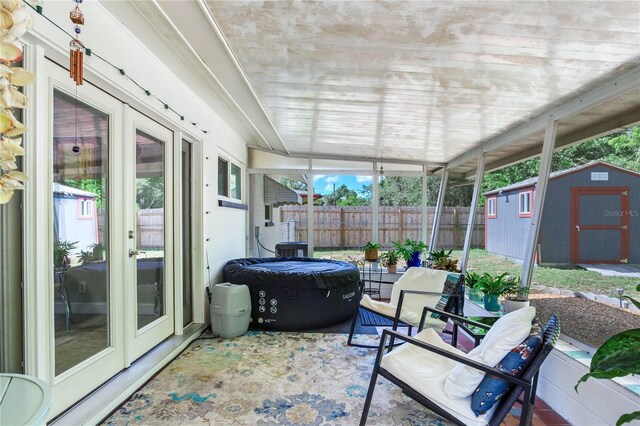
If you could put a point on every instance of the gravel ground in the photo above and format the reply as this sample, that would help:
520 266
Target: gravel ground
585 320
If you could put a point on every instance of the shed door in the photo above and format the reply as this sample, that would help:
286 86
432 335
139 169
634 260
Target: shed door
600 225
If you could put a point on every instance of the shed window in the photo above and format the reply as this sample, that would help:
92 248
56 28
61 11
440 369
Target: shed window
85 208
524 203
492 209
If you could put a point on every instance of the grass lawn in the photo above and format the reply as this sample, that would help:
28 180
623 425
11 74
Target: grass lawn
570 279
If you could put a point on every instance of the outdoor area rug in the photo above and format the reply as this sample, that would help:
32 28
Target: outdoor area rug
271 378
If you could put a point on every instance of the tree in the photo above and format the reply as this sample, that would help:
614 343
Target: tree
150 192
294 184
343 196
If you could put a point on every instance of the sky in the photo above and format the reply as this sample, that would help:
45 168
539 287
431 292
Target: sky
323 184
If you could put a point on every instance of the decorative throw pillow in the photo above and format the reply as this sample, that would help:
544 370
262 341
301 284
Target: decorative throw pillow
507 332
492 388
452 285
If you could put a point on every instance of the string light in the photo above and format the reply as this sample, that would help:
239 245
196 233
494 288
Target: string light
89 52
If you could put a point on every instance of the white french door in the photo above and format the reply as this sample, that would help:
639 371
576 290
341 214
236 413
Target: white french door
149 292
111 236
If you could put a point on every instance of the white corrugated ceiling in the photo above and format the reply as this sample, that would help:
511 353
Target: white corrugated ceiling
419 81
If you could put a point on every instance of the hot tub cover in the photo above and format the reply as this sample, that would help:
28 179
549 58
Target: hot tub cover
301 272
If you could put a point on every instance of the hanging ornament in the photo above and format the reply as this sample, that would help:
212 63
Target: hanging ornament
76 48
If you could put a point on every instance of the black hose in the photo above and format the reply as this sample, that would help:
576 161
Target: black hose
260 245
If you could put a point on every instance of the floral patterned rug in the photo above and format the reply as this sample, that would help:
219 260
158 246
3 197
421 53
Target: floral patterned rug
270 378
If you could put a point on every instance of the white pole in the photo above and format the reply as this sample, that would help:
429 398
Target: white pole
423 231
472 212
538 204
375 203
310 247
436 219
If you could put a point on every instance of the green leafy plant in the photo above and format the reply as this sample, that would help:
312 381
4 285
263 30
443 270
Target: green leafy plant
95 253
617 357
494 284
390 257
407 247
439 255
371 246
61 251
471 279
514 291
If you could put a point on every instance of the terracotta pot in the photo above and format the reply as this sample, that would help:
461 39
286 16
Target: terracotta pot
371 254
392 269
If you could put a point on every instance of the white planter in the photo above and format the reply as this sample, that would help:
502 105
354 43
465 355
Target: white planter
514 305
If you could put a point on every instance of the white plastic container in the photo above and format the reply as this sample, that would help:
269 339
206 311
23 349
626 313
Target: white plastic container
230 310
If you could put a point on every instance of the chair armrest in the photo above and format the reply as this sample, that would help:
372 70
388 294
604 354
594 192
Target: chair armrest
450 355
449 315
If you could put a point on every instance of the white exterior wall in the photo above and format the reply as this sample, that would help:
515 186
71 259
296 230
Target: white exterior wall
106 36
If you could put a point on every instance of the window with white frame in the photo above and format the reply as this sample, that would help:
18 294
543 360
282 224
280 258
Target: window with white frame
229 179
223 177
85 208
492 210
524 203
235 182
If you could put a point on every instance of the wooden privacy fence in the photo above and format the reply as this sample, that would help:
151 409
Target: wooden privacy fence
350 227
150 230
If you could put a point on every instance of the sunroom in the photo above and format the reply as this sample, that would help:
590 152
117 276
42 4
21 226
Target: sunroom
155 127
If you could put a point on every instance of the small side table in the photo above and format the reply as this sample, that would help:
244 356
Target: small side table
372 278
24 400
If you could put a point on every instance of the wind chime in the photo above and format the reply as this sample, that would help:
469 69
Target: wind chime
76 47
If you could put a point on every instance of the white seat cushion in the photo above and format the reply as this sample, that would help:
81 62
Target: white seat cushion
406 316
422 279
508 332
426 372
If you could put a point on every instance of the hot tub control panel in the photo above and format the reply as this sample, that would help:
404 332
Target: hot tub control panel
266 305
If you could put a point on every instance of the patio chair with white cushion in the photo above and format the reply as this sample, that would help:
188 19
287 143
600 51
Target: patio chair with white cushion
477 388
416 288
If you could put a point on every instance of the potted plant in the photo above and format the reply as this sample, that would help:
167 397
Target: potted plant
61 251
94 253
516 297
410 251
471 279
442 260
493 286
389 260
371 251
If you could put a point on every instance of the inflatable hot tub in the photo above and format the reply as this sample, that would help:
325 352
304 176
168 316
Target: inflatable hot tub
296 293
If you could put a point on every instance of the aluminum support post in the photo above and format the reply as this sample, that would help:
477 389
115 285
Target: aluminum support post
472 212
310 224
539 196
436 219
423 229
375 204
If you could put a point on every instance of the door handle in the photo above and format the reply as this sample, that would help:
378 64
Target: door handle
133 253
578 228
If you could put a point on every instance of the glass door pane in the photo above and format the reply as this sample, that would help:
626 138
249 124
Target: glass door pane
80 229
187 313
150 214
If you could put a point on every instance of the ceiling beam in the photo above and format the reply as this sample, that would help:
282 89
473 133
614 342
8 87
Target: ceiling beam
603 128
607 91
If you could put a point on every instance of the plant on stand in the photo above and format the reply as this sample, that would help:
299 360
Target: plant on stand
470 280
410 251
61 251
516 297
371 251
493 286
389 260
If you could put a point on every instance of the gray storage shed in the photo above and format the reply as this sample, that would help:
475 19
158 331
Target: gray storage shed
592 215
